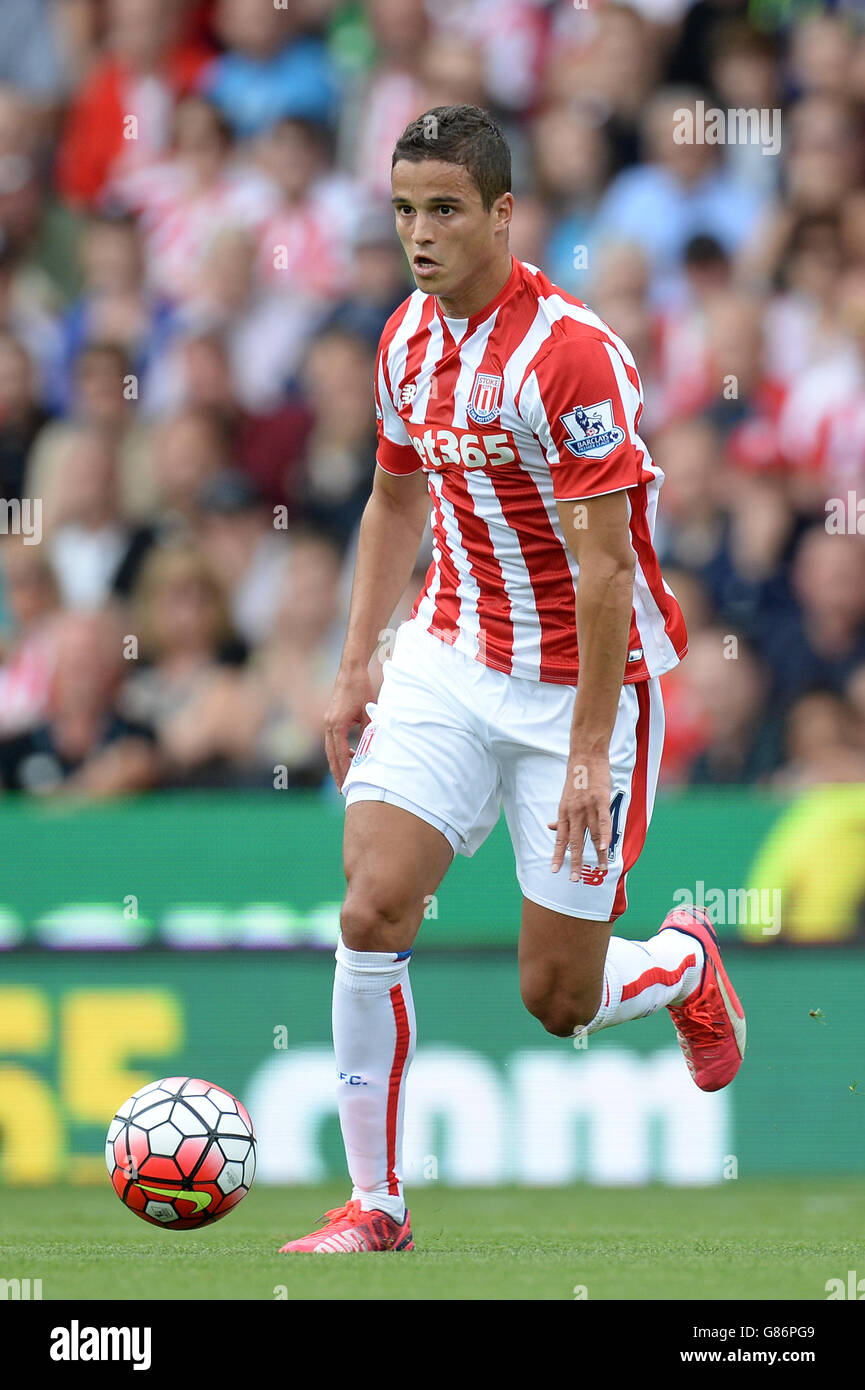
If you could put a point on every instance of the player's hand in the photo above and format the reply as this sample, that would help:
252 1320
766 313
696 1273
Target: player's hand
352 692
585 805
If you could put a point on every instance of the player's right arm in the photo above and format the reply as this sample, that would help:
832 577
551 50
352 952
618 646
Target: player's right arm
390 535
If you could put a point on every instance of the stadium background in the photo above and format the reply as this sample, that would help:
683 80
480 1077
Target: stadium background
196 260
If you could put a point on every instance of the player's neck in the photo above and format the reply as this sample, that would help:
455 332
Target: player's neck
479 293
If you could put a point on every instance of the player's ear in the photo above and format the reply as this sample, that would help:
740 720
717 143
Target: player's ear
503 210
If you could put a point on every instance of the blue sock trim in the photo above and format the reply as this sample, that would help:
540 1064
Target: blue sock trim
403 955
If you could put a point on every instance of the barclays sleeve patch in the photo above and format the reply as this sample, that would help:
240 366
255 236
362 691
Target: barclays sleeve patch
593 431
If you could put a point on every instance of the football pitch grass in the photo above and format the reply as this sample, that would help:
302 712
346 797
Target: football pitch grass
773 1240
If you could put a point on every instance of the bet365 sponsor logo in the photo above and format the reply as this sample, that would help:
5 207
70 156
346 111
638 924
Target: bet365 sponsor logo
459 448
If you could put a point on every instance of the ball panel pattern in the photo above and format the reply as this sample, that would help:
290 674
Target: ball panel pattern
191 1141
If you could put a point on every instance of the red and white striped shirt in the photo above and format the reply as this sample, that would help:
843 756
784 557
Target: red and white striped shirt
529 402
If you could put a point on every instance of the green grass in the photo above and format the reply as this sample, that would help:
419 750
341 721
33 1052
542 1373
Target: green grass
752 1240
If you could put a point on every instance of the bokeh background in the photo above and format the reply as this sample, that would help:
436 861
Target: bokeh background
197 257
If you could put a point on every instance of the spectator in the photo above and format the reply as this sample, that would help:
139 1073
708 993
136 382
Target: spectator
747 577
29 595
823 641
801 324
619 294
305 242
261 335
681 191
104 398
266 443
269 70
821 55
196 194
452 71
189 449
824 741
197 259
121 115
84 748
691 528
30 49
339 457
614 72
250 556
21 416
184 682
377 278
744 74
288 686
24 318
94 552
114 306
822 140
22 199
822 424
739 395
687 729
728 685
572 157
381 104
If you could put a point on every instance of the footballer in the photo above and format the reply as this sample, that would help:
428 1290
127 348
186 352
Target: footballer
527 676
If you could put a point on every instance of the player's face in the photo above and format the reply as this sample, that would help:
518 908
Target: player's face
448 236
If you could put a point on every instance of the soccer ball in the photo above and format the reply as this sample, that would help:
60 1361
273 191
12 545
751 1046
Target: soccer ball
181 1153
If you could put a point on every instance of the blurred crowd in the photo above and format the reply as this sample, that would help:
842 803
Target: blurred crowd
197 258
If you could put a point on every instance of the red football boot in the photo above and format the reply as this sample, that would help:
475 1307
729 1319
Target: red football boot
711 1023
350 1231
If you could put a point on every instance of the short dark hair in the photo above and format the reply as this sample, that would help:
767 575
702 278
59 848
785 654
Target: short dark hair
465 135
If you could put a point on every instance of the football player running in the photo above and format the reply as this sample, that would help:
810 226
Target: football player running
528 674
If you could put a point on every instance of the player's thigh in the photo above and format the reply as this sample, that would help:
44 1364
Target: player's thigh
424 746
561 966
533 781
393 862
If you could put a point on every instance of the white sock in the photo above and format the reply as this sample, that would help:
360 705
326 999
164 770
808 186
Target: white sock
374 1033
641 977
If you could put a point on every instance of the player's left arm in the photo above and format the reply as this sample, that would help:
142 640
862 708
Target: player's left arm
597 533
582 381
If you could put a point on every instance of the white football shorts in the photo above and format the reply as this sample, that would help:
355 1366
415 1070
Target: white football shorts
454 741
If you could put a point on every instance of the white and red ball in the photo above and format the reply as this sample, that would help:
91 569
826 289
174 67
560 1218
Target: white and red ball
181 1153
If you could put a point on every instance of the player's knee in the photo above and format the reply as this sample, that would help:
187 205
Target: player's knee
372 919
561 1013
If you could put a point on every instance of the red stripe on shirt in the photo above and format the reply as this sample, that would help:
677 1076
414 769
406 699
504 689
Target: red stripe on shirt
549 572
494 617
445 618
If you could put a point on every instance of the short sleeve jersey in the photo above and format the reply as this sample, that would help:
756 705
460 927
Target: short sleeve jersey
531 402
